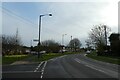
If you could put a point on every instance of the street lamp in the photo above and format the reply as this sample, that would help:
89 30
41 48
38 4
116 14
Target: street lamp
40 27
63 41
63 38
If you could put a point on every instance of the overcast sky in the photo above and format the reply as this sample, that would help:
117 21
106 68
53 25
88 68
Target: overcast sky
71 18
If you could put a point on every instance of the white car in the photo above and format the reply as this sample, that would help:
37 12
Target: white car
88 52
42 52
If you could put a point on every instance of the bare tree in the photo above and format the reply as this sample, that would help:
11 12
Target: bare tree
75 44
50 46
89 44
9 44
98 36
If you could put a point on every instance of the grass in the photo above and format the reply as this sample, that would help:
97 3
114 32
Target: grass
48 56
8 59
109 59
32 58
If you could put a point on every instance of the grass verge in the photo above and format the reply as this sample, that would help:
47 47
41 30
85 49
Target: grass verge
48 56
8 59
32 58
109 59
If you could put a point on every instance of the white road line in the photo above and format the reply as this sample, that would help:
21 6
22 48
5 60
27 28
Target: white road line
62 56
95 68
101 69
77 60
85 54
16 71
51 60
41 76
90 66
43 69
37 67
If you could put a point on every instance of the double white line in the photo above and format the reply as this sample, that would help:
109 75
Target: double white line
42 70
38 67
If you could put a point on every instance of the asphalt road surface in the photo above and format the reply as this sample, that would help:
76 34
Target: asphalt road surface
67 66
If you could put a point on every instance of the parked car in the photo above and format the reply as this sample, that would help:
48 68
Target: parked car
88 52
34 52
42 52
62 51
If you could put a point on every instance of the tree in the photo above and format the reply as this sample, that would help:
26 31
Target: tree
50 46
75 44
9 44
98 36
89 44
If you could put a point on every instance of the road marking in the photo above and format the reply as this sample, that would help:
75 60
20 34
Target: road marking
53 59
77 60
101 69
43 69
41 76
38 67
85 54
18 71
62 56
80 61
90 66
95 68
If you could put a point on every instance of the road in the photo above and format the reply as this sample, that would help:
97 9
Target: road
67 66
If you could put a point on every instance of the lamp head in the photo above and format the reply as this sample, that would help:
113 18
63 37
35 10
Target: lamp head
50 14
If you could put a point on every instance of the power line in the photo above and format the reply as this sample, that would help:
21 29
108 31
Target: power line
14 14
9 12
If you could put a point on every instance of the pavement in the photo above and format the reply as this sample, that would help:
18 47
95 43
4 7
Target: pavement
67 66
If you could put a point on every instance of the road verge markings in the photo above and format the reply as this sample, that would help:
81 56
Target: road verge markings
90 66
104 70
17 71
62 56
95 68
85 54
80 61
38 67
77 60
43 69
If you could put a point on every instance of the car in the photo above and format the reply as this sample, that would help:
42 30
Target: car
34 52
88 52
62 51
42 52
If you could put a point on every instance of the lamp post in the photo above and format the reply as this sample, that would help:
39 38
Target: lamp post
63 38
63 41
70 41
40 20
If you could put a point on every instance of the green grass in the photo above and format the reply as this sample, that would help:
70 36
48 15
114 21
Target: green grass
12 58
48 56
32 58
109 59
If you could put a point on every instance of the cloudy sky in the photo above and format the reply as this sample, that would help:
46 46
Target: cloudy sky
71 18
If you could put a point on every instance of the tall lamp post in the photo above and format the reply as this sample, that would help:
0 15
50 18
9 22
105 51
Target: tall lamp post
63 41
63 38
40 20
